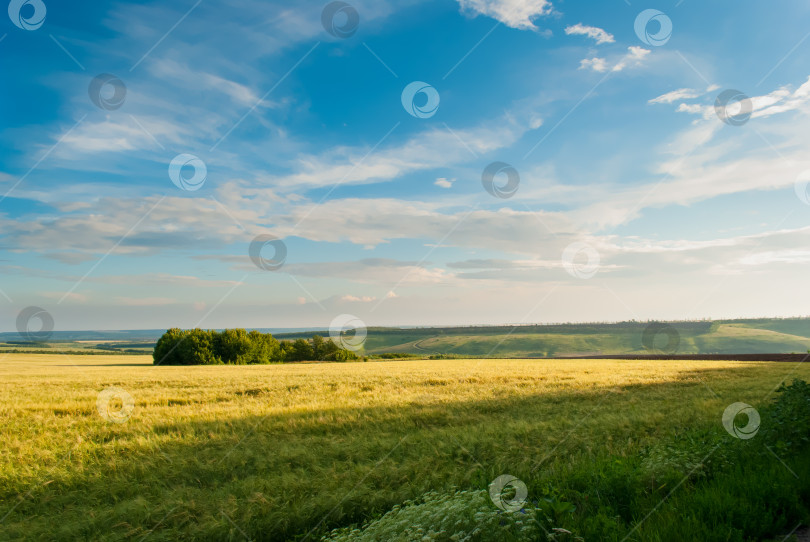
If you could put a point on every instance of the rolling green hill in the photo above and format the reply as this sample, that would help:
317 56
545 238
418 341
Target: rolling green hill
751 336
759 336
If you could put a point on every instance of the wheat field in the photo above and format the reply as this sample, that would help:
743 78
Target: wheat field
275 452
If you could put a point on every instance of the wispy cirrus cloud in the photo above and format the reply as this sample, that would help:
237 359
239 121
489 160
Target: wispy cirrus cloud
633 58
593 32
781 100
428 149
676 95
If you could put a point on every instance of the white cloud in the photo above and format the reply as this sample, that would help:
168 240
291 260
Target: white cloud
786 256
372 222
513 13
697 172
781 100
103 136
432 148
591 31
700 171
725 256
689 108
633 58
193 81
377 271
596 64
361 299
675 95
117 134
444 182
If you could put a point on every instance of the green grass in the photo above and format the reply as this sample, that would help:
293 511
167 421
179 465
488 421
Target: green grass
285 452
737 338
799 327
87 347
721 337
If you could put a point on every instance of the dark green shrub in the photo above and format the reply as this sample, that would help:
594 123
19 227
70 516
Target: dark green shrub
165 352
264 348
301 350
238 347
233 346
396 355
197 347
786 424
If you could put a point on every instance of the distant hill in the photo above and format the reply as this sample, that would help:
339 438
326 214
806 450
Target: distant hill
749 336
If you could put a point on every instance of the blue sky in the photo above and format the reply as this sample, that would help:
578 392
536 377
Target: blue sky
635 199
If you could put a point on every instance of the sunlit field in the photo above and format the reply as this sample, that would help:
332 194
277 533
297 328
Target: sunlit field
281 452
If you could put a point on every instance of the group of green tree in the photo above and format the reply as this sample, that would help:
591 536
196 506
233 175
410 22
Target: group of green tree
240 347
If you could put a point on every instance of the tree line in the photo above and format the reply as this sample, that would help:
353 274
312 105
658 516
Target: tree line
240 347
